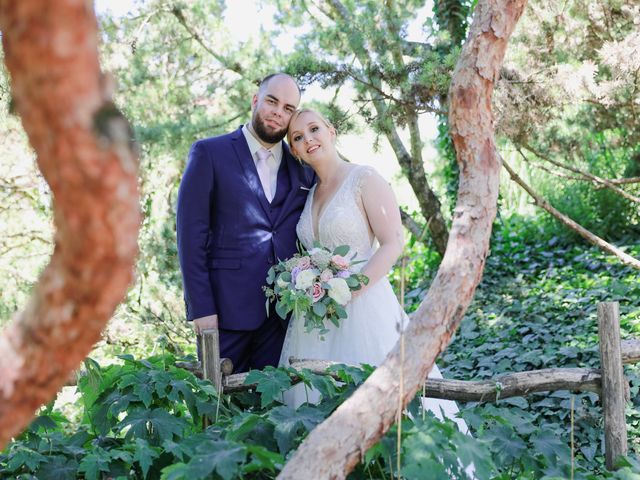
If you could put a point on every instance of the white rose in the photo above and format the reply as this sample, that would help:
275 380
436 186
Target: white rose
305 279
339 291
282 283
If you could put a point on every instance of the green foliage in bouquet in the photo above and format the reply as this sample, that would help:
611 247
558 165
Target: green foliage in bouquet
315 285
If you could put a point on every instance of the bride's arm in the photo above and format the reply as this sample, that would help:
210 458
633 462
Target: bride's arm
383 215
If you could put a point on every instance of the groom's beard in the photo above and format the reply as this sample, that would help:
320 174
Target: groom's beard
266 135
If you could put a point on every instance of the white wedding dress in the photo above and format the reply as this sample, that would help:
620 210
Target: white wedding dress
375 318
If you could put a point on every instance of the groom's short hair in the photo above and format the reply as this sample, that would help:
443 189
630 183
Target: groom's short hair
265 81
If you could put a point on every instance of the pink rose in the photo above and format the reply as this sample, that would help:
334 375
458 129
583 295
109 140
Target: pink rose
304 263
326 275
340 262
317 292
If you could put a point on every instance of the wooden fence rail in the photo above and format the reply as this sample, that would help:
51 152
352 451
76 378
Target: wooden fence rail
609 382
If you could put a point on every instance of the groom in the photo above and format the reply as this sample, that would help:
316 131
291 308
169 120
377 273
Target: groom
238 204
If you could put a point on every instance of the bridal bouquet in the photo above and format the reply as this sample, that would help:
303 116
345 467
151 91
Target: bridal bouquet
314 285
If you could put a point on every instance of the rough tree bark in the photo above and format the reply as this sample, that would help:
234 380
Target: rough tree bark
338 444
84 151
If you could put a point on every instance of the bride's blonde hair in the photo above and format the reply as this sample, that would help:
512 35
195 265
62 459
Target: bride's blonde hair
299 112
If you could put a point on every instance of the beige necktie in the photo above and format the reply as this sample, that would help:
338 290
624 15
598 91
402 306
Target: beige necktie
264 165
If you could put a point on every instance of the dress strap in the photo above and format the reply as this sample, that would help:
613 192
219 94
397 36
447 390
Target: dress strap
362 174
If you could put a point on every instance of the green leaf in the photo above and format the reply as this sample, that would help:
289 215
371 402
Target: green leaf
341 250
89 383
242 425
342 313
472 452
222 457
58 468
144 391
271 382
145 454
262 459
549 445
282 309
319 309
94 464
352 282
323 383
271 276
348 374
178 450
44 422
156 424
291 423
24 456
506 443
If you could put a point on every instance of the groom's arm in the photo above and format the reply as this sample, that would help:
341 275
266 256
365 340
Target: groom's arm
192 227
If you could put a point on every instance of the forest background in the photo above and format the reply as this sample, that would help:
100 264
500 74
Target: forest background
566 116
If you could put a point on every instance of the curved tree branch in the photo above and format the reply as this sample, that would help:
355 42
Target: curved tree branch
85 152
588 176
576 227
338 444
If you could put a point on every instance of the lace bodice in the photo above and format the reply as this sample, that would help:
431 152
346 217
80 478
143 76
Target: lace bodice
342 220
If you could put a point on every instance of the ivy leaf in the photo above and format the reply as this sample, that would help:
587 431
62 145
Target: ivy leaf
144 391
25 457
161 381
262 459
271 382
151 425
145 454
58 468
242 425
45 422
180 388
105 412
94 464
291 423
549 445
508 446
323 383
224 458
348 374
178 450
471 451
89 383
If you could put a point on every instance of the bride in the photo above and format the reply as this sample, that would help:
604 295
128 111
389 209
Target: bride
350 205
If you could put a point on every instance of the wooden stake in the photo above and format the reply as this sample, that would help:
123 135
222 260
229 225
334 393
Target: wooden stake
613 383
210 348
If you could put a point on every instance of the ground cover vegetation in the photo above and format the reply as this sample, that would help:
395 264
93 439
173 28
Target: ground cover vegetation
567 99
142 418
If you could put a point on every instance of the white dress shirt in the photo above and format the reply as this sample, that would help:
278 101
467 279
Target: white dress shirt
274 162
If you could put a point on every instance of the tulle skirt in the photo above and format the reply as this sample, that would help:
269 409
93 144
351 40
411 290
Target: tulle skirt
372 328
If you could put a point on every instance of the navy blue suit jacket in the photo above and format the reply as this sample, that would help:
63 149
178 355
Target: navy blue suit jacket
228 235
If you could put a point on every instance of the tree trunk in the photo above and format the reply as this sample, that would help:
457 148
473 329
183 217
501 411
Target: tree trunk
411 163
85 152
337 445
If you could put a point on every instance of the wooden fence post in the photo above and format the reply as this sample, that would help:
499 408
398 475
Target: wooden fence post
613 393
210 348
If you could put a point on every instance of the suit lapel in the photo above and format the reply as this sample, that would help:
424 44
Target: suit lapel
295 177
249 169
